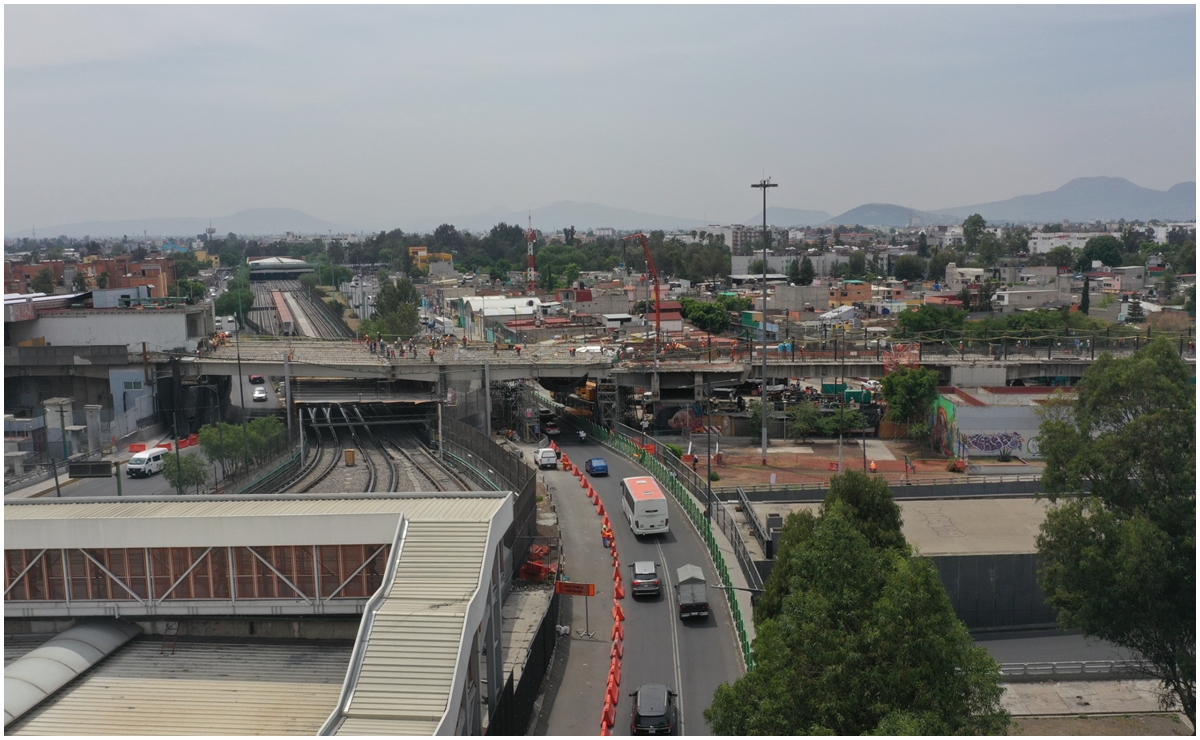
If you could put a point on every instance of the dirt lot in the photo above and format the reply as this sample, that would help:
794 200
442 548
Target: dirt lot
1126 724
810 462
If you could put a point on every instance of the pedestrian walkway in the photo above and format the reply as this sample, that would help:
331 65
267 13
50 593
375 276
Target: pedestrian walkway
1080 697
580 696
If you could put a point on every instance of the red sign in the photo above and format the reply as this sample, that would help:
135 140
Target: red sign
574 589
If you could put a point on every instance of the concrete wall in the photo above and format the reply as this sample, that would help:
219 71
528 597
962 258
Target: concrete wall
966 376
793 297
994 590
988 429
161 330
986 591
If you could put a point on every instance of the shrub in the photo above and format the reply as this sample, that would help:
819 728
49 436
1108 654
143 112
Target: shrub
675 450
714 476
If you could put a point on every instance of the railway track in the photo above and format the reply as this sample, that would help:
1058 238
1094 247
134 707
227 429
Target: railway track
392 461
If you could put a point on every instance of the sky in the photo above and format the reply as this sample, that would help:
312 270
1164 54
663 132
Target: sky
377 116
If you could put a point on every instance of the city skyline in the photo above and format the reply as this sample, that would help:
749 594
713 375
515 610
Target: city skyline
376 116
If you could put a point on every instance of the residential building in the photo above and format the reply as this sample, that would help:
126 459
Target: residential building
958 278
1011 301
849 292
1040 243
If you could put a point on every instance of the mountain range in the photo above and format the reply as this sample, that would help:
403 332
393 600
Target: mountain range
1081 199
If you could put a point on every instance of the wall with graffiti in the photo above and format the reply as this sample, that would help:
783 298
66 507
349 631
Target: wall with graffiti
943 427
990 430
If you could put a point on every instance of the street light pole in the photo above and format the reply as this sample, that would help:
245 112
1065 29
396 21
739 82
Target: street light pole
763 185
708 435
241 381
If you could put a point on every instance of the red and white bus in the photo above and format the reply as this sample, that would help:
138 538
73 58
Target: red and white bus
645 505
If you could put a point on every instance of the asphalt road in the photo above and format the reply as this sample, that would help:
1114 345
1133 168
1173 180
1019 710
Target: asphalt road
694 657
272 403
155 485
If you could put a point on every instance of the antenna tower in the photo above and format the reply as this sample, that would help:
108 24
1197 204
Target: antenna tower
530 269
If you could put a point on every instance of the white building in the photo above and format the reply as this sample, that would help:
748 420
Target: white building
1043 243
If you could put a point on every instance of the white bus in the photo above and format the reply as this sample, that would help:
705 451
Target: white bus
645 505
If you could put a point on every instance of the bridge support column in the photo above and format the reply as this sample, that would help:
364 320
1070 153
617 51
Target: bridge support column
487 399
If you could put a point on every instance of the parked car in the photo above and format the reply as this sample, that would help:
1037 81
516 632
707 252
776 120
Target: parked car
596 466
654 710
645 578
872 385
552 429
257 379
545 458
260 394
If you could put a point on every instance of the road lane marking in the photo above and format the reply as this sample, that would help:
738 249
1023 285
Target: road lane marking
672 615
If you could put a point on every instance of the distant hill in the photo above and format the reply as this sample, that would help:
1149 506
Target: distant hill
582 216
789 217
885 215
1088 199
251 222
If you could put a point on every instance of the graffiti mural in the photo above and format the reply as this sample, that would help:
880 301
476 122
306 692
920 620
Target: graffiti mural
994 443
943 429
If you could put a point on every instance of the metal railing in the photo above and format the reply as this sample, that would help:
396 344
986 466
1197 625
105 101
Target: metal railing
1076 668
726 493
673 485
756 525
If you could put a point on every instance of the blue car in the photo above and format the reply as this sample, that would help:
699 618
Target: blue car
596 466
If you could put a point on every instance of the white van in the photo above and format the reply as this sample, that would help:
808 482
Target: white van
546 457
146 463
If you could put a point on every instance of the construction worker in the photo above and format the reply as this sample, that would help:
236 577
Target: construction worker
496 347
605 535
431 354
872 466
517 348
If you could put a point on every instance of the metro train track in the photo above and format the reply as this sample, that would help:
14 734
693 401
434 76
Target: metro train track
411 450
323 462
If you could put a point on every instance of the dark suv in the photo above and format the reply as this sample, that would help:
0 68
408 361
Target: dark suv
653 710
645 579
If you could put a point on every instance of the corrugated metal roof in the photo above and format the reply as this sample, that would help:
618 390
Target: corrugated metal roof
244 521
205 688
404 685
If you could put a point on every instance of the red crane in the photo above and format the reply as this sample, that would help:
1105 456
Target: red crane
654 277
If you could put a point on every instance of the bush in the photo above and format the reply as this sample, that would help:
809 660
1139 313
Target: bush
714 476
952 465
918 431
675 450
1004 456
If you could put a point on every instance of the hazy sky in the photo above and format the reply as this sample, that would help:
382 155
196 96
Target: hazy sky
373 115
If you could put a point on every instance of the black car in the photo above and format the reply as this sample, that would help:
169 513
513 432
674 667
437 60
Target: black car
645 579
654 710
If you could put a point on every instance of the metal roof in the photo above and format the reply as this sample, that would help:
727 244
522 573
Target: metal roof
208 687
408 659
219 521
37 675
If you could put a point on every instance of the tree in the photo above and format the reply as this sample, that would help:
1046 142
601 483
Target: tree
757 267
1169 284
855 639
44 281
549 280
858 264
937 264
973 230
909 267
803 420
989 249
569 236
190 472
807 272
236 301
793 272
139 253
1085 302
571 273
1061 256
930 318
1106 248
1119 560
909 392
1135 313
102 281
873 510
922 245
78 283
707 317
843 421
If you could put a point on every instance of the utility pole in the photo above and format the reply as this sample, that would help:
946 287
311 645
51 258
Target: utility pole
242 381
763 185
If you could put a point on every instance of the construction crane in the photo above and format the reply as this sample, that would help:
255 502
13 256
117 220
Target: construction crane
654 277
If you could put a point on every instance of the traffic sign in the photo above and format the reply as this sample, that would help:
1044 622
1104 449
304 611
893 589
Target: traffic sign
90 470
571 588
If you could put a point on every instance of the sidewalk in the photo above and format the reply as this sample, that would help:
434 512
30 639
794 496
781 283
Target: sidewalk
580 695
47 487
